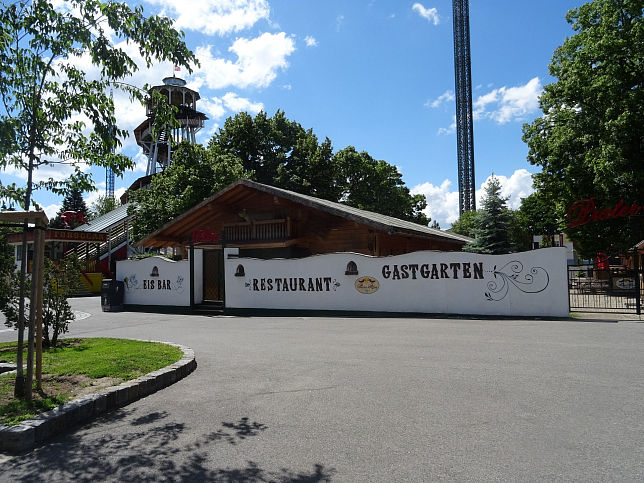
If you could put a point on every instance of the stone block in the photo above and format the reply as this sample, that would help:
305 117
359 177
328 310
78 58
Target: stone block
100 404
111 401
15 439
42 427
122 395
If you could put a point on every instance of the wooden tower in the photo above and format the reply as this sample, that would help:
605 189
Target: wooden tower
158 149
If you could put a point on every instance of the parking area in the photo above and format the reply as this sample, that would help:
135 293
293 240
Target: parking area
367 399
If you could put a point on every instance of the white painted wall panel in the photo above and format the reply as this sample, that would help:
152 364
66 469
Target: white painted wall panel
169 284
530 283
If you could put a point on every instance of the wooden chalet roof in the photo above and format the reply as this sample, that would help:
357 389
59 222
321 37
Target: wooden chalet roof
244 193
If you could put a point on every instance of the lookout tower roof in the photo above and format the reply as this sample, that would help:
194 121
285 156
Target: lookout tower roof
174 81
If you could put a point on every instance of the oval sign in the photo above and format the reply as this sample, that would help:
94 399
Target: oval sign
367 285
625 283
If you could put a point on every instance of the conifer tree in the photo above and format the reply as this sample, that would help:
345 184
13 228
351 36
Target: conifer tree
492 223
72 202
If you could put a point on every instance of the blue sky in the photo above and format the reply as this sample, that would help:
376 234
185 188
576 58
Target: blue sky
375 74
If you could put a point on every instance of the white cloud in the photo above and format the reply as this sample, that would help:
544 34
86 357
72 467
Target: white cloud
213 107
446 96
214 16
310 41
258 61
235 103
140 162
444 131
442 203
507 104
339 22
57 172
218 107
51 210
257 64
93 196
517 186
442 200
430 14
204 136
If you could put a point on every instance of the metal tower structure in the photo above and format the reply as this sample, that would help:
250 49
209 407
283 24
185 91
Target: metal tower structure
159 149
109 183
109 173
464 120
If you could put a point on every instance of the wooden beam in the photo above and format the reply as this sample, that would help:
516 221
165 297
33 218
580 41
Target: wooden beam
38 218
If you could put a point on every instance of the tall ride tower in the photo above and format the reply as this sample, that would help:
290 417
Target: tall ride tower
159 149
464 120
109 172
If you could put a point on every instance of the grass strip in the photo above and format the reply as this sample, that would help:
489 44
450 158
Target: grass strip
92 359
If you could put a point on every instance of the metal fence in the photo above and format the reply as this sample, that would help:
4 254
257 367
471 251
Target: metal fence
617 289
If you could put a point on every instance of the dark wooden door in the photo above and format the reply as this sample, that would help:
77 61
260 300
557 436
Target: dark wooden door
213 275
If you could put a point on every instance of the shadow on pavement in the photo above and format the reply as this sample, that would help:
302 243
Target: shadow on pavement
150 452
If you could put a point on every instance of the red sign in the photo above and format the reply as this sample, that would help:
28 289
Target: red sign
205 236
585 211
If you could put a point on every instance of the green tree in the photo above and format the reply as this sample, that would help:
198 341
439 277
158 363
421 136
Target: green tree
45 93
195 174
7 271
465 225
377 186
589 142
60 281
102 206
492 223
538 216
280 152
73 201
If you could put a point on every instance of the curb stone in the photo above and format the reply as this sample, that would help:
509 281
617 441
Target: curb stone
30 433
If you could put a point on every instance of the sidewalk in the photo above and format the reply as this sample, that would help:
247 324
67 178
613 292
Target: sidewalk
607 316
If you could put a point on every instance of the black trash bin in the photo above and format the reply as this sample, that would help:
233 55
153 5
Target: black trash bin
112 295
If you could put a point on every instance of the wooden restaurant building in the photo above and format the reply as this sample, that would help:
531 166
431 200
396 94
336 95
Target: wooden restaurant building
253 247
264 222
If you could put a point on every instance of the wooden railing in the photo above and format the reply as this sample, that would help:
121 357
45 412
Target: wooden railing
266 230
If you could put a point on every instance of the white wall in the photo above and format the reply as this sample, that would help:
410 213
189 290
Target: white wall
530 283
169 284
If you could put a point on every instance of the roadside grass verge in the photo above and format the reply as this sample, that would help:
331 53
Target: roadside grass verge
80 366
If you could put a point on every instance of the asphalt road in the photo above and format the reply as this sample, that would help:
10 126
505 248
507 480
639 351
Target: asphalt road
309 399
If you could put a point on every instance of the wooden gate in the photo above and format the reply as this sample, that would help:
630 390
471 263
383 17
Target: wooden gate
213 275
